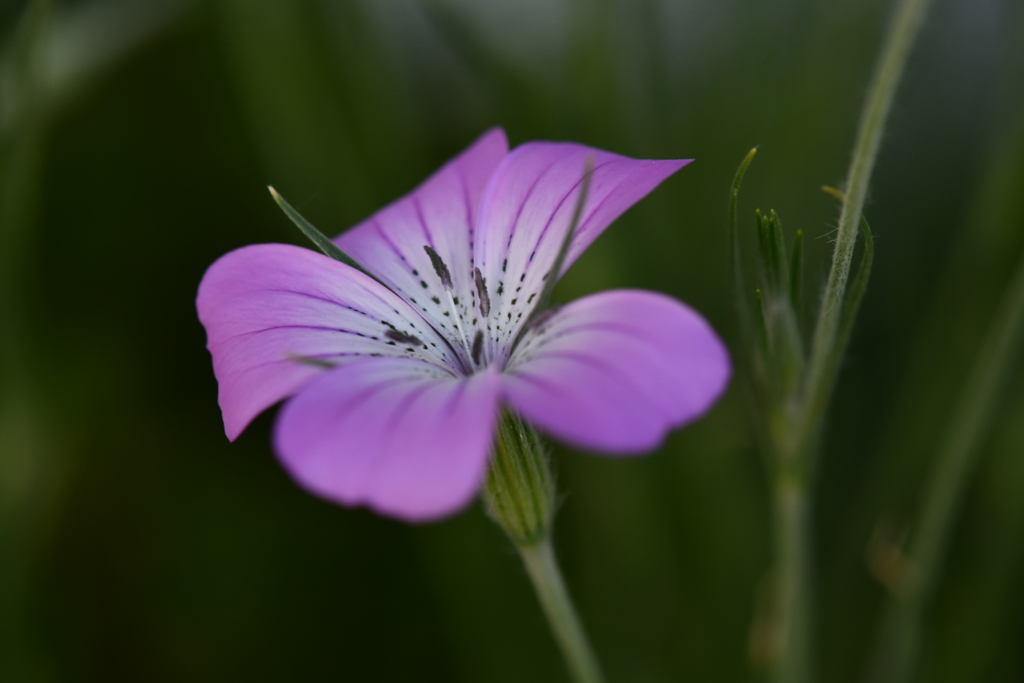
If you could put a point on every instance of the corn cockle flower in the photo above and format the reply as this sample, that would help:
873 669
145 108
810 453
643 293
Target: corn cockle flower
397 380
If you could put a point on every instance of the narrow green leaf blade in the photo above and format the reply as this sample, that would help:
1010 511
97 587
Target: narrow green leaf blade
312 362
309 230
742 312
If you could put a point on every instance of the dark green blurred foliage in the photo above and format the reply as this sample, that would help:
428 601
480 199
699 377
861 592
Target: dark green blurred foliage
147 548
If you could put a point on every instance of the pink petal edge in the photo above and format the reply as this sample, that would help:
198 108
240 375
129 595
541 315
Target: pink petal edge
264 304
528 206
615 372
394 434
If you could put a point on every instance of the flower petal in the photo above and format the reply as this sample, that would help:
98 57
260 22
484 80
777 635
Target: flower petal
614 372
527 209
441 213
273 311
395 434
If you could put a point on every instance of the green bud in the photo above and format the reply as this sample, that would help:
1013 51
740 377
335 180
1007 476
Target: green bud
779 342
520 490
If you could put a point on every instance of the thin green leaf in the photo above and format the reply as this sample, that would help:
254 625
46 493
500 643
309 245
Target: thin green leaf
742 312
309 230
313 362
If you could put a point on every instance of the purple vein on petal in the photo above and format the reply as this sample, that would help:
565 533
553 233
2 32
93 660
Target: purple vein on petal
467 204
423 221
401 257
554 212
401 411
408 320
333 302
343 409
525 201
538 341
286 359
604 199
540 382
413 271
613 370
298 327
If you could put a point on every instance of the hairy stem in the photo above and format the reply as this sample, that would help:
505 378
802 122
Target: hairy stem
907 20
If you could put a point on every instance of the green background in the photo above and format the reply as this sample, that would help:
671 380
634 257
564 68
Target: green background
139 545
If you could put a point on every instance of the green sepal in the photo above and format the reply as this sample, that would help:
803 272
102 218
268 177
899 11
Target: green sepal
321 240
778 253
763 343
796 272
520 491
779 341
773 253
763 247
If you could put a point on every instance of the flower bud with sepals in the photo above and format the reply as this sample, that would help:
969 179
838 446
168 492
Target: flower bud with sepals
520 490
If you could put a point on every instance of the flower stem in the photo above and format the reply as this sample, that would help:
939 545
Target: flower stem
519 496
907 19
542 567
792 582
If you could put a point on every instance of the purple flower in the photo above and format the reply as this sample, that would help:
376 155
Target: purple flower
397 389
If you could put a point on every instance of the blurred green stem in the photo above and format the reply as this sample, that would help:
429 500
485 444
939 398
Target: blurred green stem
792 528
24 466
958 453
542 567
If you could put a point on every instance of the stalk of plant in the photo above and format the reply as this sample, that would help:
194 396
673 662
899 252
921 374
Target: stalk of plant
520 497
792 389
